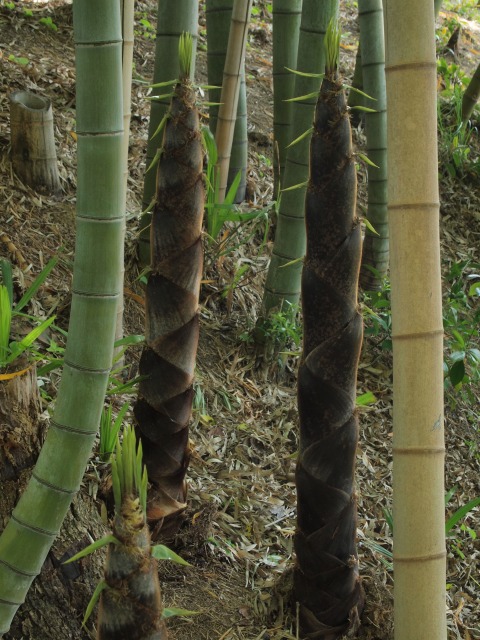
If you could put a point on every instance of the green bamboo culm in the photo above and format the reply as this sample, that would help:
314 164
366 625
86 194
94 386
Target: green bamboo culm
286 15
283 282
375 258
37 518
130 600
327 585
173 19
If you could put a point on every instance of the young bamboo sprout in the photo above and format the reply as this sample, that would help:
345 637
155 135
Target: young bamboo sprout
130 601
326 580
163 408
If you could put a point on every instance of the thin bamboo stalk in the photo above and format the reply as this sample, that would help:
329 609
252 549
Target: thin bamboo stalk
128 7
37 518
418 445
375 246
286 15
218 15
227 113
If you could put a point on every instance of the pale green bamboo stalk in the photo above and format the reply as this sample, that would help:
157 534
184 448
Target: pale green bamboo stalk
127 11
283 282
286 16
229 98
37 518
218 14
173 18
419 555
375 247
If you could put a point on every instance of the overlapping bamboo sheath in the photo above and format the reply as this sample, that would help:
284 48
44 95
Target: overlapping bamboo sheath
132 606
164 404
326 580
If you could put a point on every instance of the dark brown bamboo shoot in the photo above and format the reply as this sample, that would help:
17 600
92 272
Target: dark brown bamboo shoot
165 397
326 581
34 156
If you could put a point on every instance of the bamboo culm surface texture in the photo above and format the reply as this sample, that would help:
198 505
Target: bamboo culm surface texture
326 580
165 397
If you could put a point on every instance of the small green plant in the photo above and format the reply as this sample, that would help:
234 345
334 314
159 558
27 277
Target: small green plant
377 314
49 23
11 350
148 31
110 431
280 330
461 321
218 214
455 136
18 60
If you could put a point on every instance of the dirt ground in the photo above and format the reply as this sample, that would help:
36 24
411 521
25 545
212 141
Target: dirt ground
240 523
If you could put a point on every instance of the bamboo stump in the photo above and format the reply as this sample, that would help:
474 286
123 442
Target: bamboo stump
19 423
33 144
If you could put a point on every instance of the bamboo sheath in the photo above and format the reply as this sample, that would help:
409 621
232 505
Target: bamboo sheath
232 73
471 95
56 478
326 578
218 15
418 447
283 283
375 247
173 19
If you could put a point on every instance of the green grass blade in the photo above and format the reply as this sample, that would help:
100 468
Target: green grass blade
93 600
161 552
98 544
461 513
7 278
36 284
173 611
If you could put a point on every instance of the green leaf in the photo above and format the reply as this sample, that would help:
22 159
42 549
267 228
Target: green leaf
93 600
456 372
36 284
461 513
359 107
5 324
98 544
17 348
474 289
130 340
304 74
300 185
370 226
359 91
167 83
449 494
291 262
173 611
301 137
154 162
160 127
365 399
161 552
368 161
7 278
307 96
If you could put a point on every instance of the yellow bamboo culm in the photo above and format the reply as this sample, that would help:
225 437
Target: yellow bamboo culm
227 113
418 447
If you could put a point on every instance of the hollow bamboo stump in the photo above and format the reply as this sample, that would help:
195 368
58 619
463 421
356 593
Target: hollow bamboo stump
33 144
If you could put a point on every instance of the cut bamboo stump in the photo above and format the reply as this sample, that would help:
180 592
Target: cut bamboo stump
33 144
